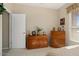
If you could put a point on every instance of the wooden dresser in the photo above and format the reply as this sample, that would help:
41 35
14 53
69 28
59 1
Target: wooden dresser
37 41
57 39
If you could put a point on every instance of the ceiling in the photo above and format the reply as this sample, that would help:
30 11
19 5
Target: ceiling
46 5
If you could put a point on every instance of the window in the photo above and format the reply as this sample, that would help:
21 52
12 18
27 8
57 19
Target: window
75 27
77 20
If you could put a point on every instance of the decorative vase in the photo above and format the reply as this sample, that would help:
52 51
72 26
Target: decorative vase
33 33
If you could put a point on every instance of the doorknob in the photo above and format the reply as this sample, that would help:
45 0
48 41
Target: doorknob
24 33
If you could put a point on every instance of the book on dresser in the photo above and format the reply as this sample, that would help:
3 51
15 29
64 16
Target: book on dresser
57 39
39 41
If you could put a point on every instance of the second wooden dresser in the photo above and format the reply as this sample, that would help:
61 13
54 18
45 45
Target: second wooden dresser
57 39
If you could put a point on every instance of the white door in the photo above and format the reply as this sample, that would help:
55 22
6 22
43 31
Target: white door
18 30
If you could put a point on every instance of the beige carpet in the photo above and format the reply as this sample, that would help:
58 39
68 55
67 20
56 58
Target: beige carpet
65 51
28 52
48 51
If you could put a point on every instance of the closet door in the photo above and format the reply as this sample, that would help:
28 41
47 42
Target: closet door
18 30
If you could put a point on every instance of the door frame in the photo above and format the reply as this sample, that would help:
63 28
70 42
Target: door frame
8 28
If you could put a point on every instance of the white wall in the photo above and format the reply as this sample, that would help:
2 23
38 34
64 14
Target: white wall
37 16
0 35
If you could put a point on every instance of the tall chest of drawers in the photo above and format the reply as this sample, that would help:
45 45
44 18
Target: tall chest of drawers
57 39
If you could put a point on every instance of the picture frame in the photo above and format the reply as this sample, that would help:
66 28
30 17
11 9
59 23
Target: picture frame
62 21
